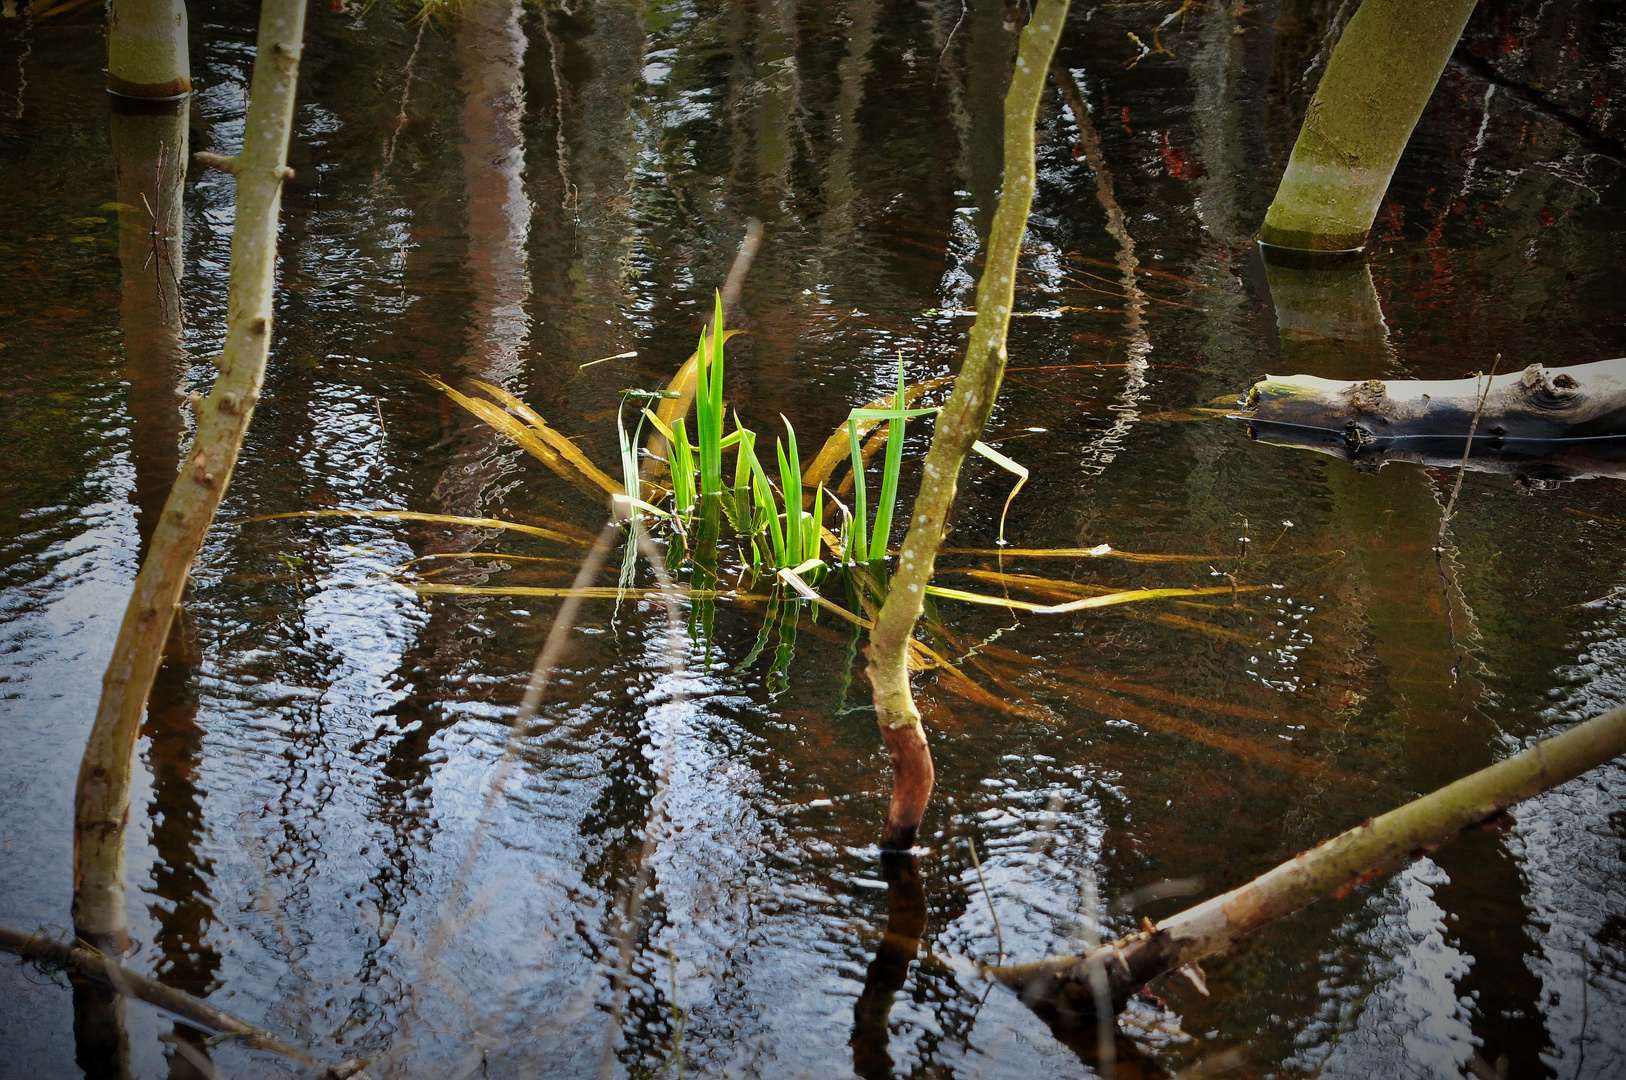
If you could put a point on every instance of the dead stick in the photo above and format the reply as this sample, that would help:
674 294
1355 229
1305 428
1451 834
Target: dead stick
1371 849
84 960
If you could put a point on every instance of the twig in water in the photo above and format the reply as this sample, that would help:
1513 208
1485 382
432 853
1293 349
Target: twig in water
1467 449
976 864
1580 1042
84 960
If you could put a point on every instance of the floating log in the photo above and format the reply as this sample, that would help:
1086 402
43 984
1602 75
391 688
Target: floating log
1547 423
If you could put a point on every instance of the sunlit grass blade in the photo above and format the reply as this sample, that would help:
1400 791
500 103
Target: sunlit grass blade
682 466
766 511
436 519
1100 551
565 448
574 466
1127 596
790 478
1019 471
744 453
858 531
679 396
709 404
824 463
815 524
588 592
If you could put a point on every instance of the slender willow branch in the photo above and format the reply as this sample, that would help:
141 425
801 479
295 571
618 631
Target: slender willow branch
958 427
102 805
81 959
1375 847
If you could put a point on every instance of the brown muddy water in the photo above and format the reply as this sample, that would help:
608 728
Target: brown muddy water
316 764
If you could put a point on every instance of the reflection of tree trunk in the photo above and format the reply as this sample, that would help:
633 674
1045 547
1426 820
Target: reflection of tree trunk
188 962
101 1047
603 170
1330 324
148 76
149 159
491 50
839 194
1103 450
905 923
991 31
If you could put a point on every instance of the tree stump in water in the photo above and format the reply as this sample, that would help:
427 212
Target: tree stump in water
1549 423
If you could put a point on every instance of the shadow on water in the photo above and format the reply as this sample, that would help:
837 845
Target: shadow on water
549 205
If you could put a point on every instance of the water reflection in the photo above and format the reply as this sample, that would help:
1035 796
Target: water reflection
319 759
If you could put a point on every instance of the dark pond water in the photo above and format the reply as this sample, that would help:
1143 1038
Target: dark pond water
321 745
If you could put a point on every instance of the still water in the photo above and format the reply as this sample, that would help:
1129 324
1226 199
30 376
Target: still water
326 837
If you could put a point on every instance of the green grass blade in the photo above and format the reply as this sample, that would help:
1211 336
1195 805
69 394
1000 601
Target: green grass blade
857 532
682 465
889 477
762 494
791 489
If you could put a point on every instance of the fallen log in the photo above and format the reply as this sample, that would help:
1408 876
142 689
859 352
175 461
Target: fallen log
78 958
1560 423
1066 989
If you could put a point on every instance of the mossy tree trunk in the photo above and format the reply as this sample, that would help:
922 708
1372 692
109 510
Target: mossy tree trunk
959 425
1377 82
102 804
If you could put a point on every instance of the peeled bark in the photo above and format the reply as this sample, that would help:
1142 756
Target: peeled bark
958 427
1379 79
102 804
1571 421
1373 848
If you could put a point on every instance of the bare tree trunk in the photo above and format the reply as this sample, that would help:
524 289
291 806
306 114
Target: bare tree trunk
102 805
958 427
1379 79
1377 846
147 49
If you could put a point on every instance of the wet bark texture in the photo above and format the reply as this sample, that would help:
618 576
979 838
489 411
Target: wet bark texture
1377 82
958 426
102 803
1375 847
1573 419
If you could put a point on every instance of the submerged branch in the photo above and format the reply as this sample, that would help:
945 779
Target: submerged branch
81 959
1373 848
